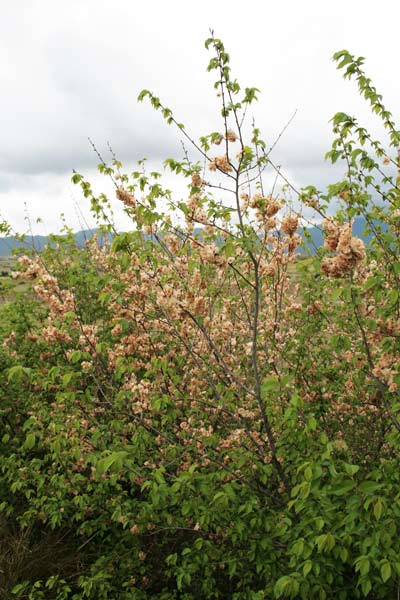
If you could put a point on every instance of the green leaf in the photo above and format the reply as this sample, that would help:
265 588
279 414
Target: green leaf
287 586
378 508
308 473
344 554
18 373
343 488
337 293
298 548
325 542
366 587
386 571
362 565
219 496
351 469
312 423
30 441
67 379
143 95
75 357
339 54
20 587
307 567
76 178
347 59
106 463
270 383
369 487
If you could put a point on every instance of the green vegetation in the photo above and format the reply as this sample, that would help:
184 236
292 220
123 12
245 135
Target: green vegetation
9 288
196 414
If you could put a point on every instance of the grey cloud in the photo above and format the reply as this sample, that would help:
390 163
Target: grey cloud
7 182
73 70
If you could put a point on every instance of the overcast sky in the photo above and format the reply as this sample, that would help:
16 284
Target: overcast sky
73 70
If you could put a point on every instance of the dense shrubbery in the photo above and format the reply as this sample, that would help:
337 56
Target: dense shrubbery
192 412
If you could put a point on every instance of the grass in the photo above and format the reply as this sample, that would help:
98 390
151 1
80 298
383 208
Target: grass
9 286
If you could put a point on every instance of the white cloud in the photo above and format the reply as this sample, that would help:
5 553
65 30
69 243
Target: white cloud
73 70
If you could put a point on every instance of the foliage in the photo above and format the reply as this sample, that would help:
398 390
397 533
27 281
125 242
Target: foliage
183 417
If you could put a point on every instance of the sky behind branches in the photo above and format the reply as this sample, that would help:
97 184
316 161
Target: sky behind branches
73 70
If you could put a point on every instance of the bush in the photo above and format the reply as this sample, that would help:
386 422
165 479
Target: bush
189 411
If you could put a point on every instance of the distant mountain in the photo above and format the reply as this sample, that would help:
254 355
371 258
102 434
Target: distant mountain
8 244
38 242
317 240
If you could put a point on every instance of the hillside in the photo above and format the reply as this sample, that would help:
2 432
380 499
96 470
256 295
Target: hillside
8 244
38 242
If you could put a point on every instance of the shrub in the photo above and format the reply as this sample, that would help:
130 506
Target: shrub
192 412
